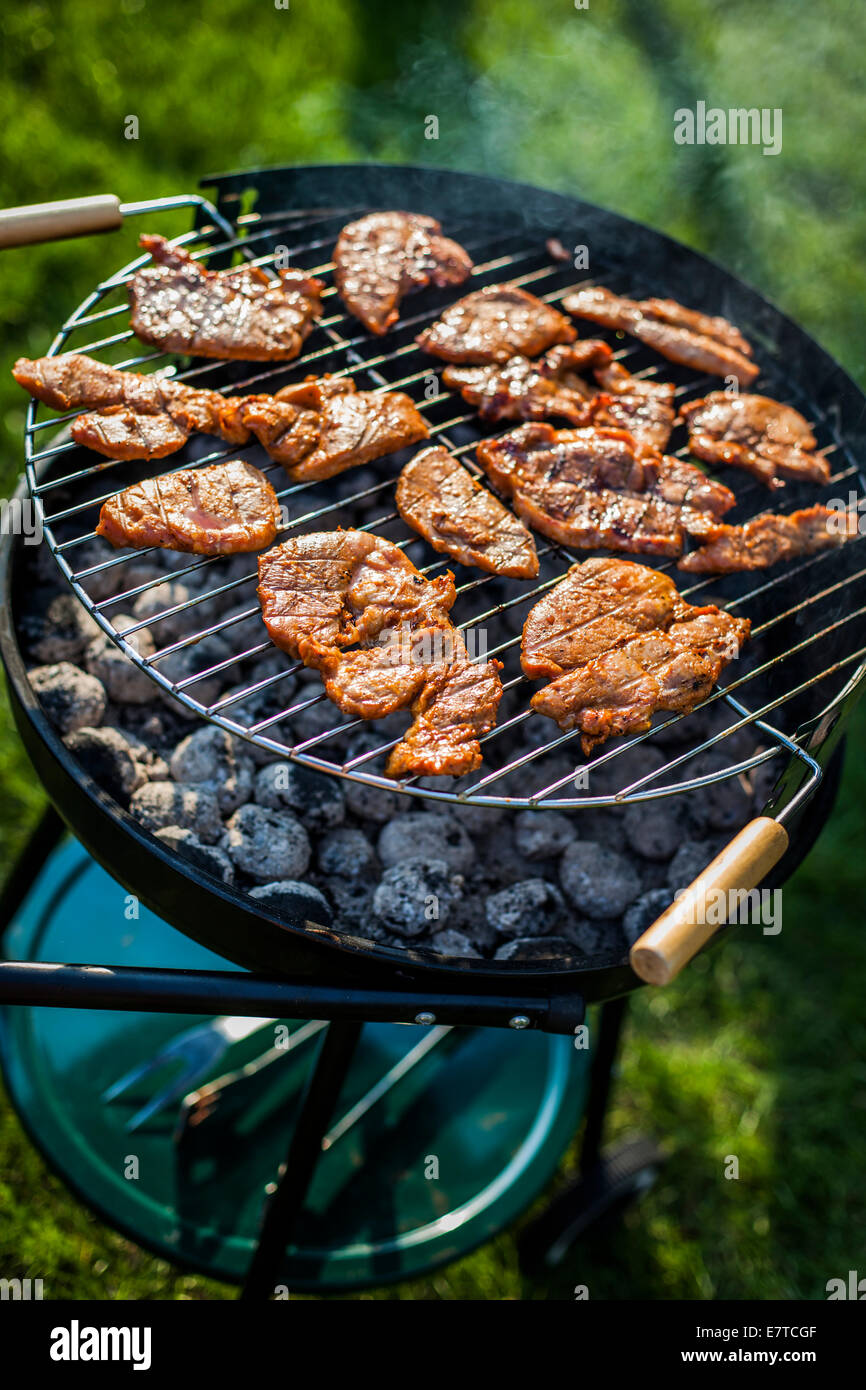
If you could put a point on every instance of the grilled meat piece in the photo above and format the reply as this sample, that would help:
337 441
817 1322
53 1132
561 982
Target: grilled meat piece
124 434
354 428
73 379
709 344
441 500
621 644
452 711
599 605
771 441
328 591
315 429
494 324
524 388
222 510
768 539
386 255
596 488
134 415
552 386
645 408
181 307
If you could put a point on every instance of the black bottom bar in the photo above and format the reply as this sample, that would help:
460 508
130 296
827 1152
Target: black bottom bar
255 996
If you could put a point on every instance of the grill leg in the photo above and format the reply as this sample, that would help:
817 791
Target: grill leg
608 1181
282 1210
28 866
610 1031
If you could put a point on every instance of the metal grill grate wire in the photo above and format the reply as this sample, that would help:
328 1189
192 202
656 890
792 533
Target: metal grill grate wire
347 350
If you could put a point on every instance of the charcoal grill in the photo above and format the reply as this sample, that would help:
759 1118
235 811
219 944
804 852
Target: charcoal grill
794 687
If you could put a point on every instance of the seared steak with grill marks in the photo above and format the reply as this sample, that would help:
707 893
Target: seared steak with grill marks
442 501
525 388
356 427
771 441
621 644
709 344
494 324
221 510
124 434
315 429
596 488
134 415
768 539
386 255
643 407
72 379
552 386
325 592
180 306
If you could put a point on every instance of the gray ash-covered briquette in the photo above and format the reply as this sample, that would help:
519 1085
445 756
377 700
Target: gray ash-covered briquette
598 882
296 900
158 805
316 799
656 836
124 682
346 854
453 943
416 893
543 834
71 698
61 632
211 758
156 600
531 908
267 845
426 835
691 858
643 912
185 663
208 858
110 760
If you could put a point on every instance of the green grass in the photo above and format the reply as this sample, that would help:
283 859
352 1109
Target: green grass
758 1050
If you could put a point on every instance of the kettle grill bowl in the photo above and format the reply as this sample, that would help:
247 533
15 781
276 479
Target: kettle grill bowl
811 617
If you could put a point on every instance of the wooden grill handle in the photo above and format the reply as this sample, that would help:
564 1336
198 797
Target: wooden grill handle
51 221
660 954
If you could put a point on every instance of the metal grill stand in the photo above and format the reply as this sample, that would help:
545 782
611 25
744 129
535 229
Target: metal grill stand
68 986
607 1179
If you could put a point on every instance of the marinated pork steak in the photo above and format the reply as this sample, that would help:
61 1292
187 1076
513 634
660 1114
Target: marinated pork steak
553 386
494 324
331 590
767 539
597 488
620 644
386 255
134 415
441 500
315 429
706 343
354 427
524 388
643 407
221 510
180 306
771 441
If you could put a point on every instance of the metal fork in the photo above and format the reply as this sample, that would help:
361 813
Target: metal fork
196 1051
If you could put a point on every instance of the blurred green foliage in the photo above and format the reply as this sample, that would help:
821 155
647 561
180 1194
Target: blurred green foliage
759 1050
